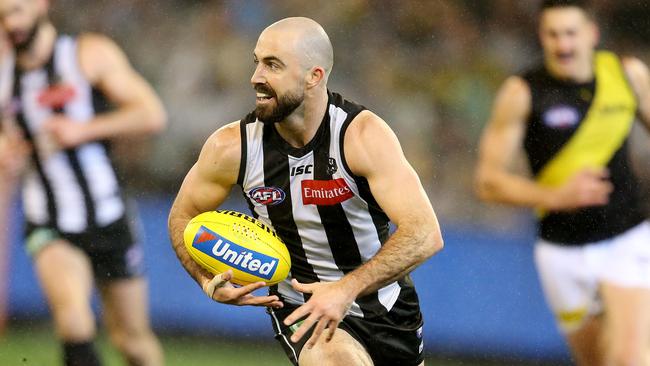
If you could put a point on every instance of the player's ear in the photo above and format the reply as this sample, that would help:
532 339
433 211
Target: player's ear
315 76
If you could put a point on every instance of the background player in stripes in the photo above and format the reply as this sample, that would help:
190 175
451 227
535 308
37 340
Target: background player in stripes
78 227
327 175
573 115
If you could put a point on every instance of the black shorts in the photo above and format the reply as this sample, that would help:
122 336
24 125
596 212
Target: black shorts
114 250
386 344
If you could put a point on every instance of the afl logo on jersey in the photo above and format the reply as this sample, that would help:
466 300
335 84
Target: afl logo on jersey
561 117
267 196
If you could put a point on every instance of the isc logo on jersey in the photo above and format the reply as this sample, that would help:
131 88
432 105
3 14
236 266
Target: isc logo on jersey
267 196
233 255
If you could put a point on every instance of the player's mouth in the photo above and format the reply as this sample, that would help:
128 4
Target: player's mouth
564 57
265 94
263 98
18 37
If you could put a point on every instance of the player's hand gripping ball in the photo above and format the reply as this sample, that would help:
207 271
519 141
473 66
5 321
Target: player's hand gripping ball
223 240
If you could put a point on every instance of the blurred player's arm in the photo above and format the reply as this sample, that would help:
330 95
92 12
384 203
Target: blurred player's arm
639 78
138 110
373 151
14 154
501 140
206 187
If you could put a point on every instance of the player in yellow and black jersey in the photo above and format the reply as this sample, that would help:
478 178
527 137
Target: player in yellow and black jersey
573 115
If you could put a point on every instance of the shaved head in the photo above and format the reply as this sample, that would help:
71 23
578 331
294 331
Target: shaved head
308 40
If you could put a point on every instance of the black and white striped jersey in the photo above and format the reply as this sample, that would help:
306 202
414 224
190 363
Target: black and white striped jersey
326 215
73 189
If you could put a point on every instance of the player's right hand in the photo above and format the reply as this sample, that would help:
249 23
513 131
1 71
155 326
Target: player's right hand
588 187
220 289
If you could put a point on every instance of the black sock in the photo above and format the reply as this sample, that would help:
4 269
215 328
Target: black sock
80 354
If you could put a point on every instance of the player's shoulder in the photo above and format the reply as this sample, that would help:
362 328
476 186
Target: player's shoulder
100 45
515 84
634 67
515 90
366 126
221 152
98 53
225 139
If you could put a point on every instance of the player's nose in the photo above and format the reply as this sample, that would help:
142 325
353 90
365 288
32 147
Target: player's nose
258 75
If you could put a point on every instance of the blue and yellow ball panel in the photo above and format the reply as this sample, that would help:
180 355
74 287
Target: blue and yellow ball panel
223 240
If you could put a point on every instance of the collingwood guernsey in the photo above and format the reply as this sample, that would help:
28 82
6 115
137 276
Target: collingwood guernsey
75 189
324 213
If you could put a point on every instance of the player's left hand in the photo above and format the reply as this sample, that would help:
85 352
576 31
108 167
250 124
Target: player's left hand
328 304
65 132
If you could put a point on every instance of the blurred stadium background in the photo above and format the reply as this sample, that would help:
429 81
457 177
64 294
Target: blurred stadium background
428 67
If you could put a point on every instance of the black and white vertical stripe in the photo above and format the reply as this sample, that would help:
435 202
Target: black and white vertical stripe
73 189
326 241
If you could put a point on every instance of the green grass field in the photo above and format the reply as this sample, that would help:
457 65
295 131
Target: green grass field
34 345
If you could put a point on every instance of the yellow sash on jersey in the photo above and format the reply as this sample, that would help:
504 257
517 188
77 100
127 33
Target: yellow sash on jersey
603 130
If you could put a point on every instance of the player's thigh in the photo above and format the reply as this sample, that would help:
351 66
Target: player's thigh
65 274
570 288
125 306
343 349
627 318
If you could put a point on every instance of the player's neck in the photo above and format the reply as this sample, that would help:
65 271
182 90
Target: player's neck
41 49
582 75
301 126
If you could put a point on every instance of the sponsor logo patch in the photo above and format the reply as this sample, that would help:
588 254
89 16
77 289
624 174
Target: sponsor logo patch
561 116
56 96
267 196
233 255
325 192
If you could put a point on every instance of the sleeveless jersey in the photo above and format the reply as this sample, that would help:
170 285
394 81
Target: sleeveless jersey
571 123
326 215
74 189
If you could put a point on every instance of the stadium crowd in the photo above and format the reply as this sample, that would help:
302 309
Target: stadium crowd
429 68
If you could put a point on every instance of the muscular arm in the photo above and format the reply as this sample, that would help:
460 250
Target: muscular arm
138 108
639 78
205 187
373 152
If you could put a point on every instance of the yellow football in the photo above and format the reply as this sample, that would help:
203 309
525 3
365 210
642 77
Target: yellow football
223 240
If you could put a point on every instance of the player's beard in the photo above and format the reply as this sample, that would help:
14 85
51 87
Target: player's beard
26 43
285 105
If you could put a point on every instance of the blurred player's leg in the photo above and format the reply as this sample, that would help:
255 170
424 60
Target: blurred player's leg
343 349
586 344
127 319
66 277
627 325
6 193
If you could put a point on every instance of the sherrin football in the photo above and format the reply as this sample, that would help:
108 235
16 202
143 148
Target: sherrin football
223 240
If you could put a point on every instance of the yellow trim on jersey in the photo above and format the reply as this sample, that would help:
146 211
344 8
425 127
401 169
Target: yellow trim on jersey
603 130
